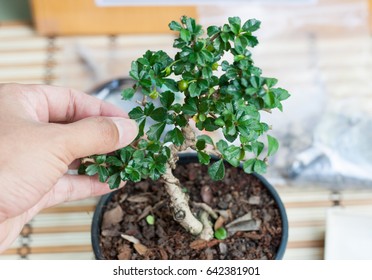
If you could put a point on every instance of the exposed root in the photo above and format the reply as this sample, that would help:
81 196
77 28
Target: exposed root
207 233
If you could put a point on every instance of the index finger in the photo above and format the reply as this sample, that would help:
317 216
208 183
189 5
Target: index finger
60 104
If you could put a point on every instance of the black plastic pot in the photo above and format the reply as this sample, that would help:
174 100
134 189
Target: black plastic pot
184 159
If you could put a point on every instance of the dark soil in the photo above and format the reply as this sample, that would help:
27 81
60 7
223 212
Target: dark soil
238 194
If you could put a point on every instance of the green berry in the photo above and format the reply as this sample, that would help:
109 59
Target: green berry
183 85
220 233
167 71
201 117
150 219
154 94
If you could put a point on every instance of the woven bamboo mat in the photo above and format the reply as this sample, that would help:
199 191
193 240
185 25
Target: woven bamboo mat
63 232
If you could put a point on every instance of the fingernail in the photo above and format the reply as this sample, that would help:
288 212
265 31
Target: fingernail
128 130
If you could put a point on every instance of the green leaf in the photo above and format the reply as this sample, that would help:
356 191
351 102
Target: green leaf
239 47
170 84
128 93
207 55
220 233
175 26
82 169
102 173
190 107
181 121
206 138
175 136
154 147
217 170
280 93
252 41
212 30
249 165
135 176
269 99
222 146
166 152
272 145
136 113
159 114
207 72
141 127
231 152
203 158
177 107
100 159
167 99
125 155
209 124
114 181
225 37
149 107
91 170
270 82
235 23
251 25
114 161
185 35
138 155
257 148
194 90
200 144
134 71
155 131
259 166
199 45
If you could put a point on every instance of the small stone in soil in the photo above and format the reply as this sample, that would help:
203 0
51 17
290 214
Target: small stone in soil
254 200
206 194
223 248
223 205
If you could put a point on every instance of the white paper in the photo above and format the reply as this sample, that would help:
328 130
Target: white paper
348 235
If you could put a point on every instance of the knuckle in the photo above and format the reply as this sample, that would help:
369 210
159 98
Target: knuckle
107 131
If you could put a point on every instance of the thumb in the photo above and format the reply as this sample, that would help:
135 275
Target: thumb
98 135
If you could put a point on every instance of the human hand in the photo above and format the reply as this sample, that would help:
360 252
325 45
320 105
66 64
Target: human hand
43 130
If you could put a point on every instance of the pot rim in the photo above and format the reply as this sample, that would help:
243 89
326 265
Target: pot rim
186 158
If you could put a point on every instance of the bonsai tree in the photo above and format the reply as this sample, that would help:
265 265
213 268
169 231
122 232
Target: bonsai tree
214 94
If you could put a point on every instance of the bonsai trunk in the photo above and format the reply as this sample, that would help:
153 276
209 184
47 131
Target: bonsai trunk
179 199
180 204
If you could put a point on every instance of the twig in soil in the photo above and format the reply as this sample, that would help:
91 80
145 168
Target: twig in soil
138 246
206 208
145 212
158 204
244 223
130 238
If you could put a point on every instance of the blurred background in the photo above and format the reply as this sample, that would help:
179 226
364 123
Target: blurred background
320 51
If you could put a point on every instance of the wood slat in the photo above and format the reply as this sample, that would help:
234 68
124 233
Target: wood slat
70 209
61 229
306 244
53 249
